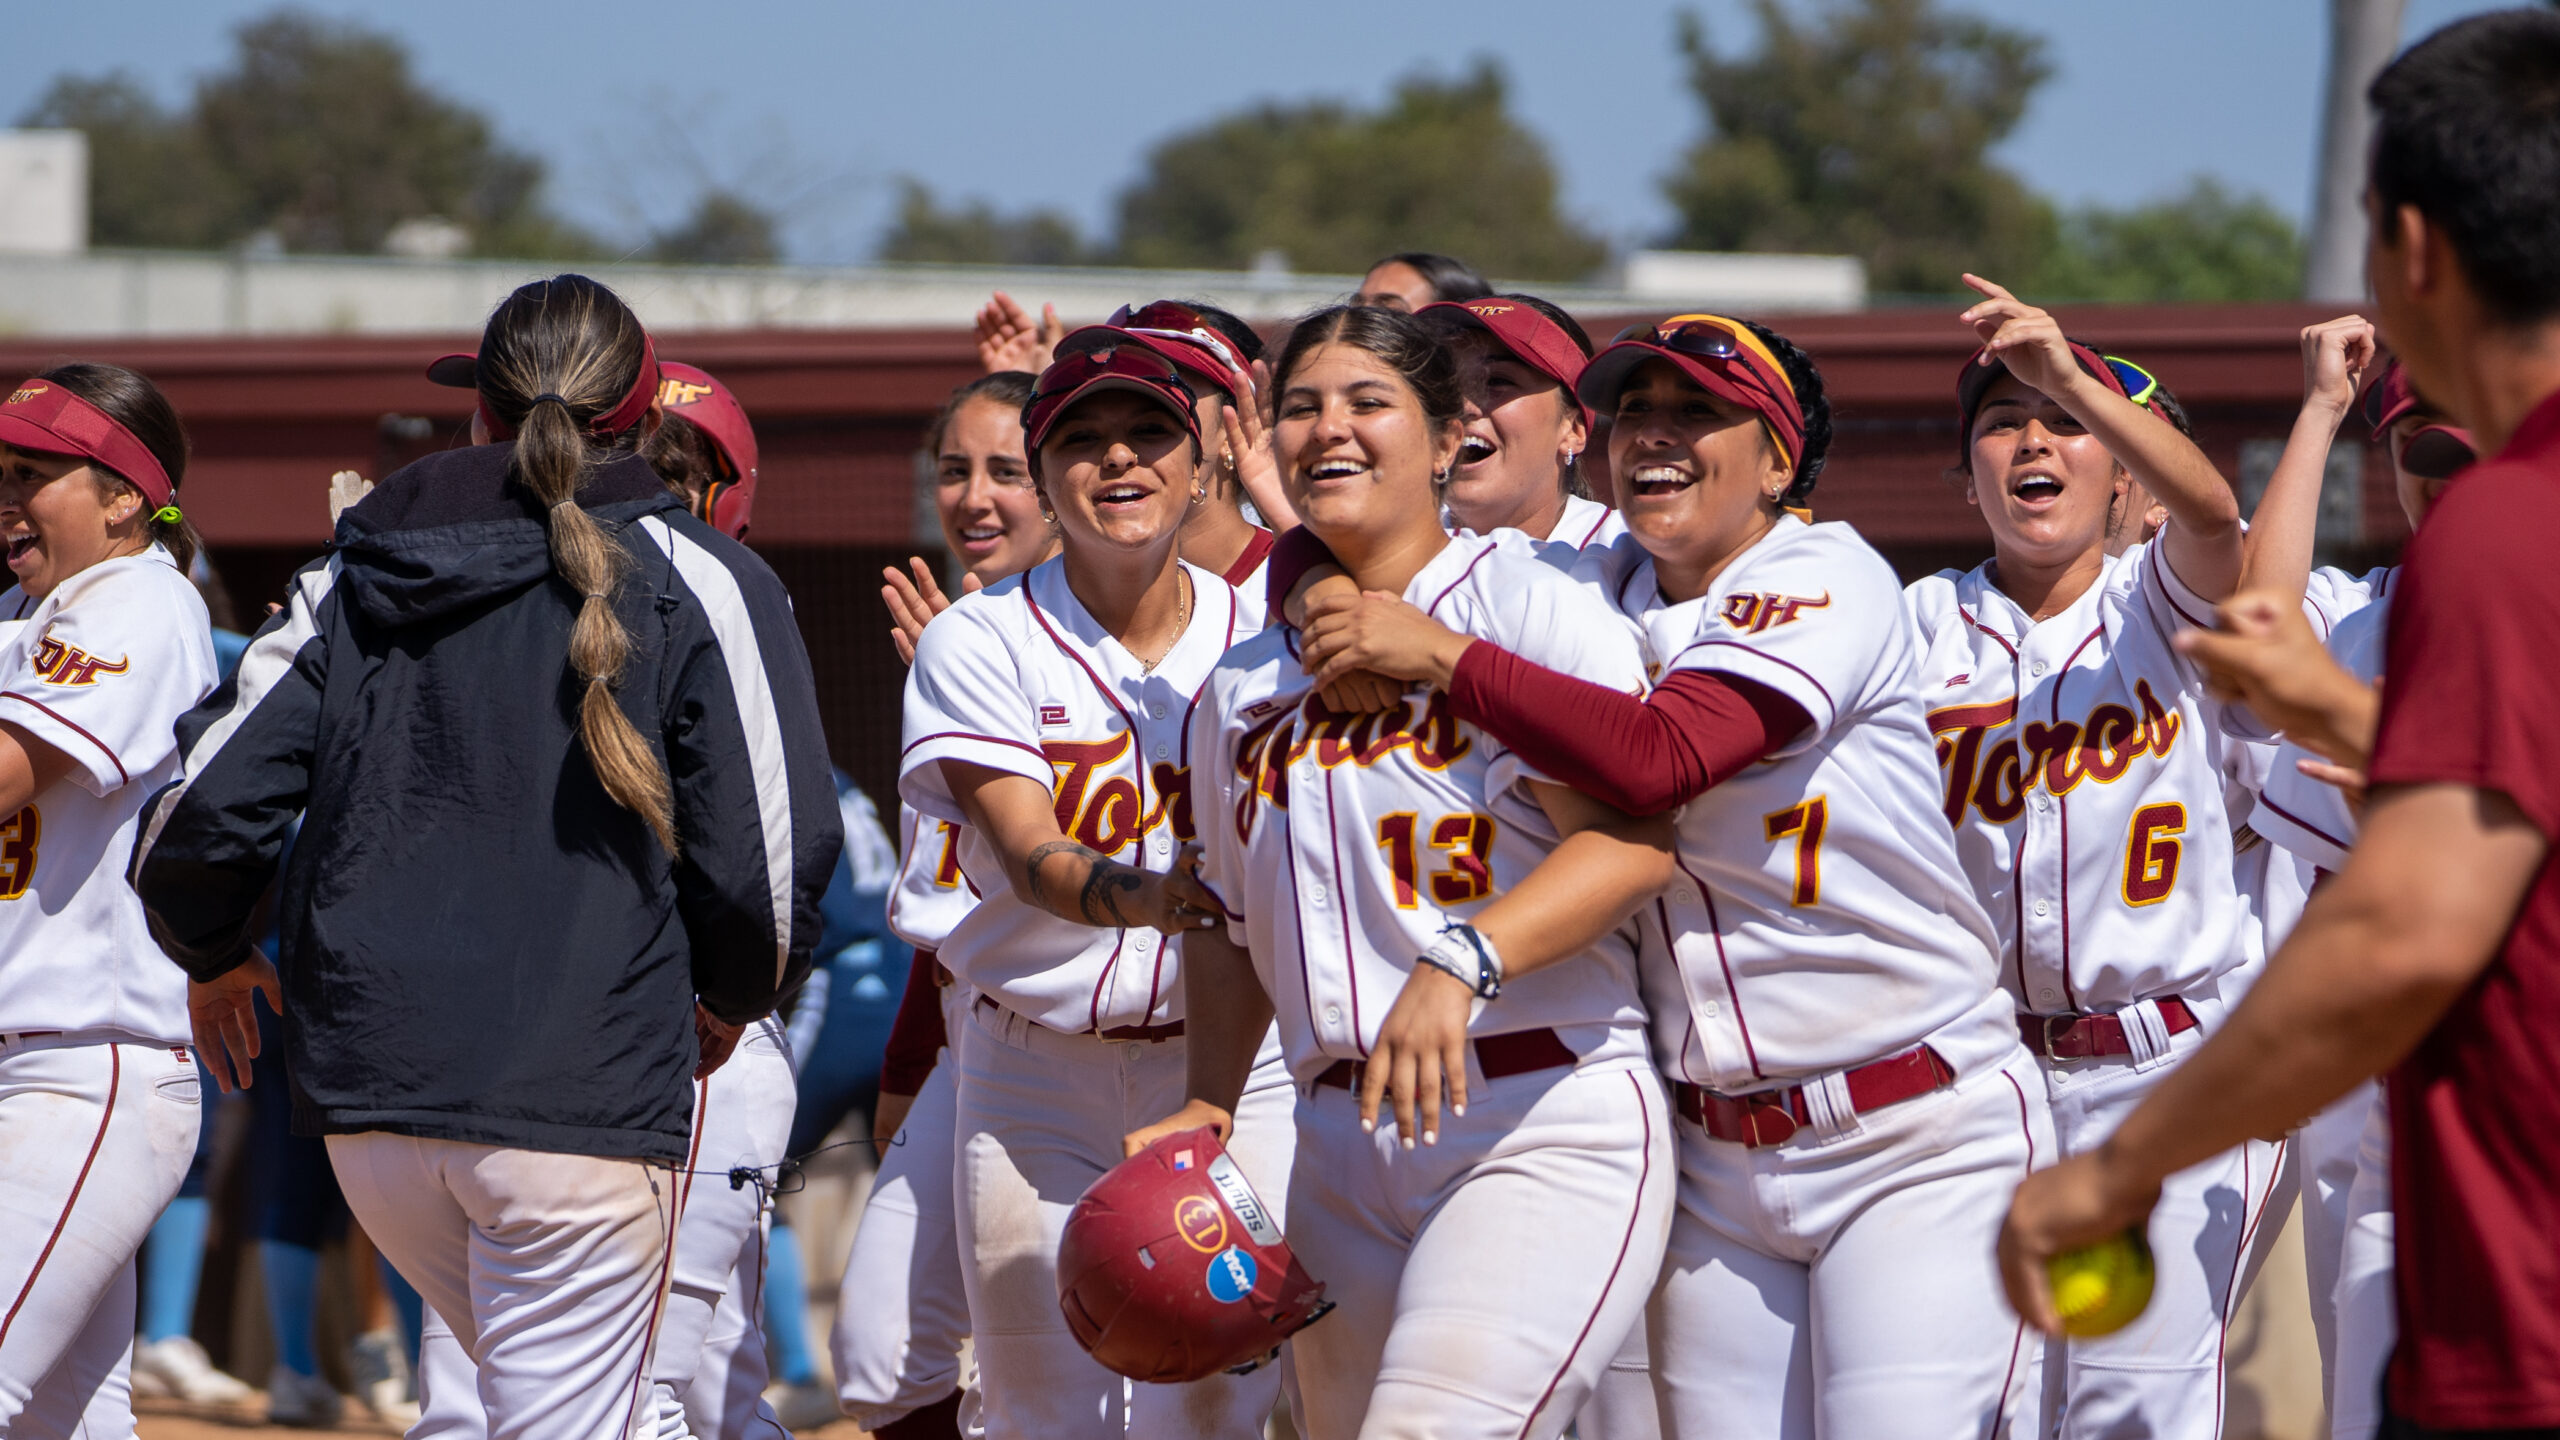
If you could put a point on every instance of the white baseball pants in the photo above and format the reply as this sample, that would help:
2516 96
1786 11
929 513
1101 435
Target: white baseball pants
1843 1284
549 1270
2327 1143
2161 1376
899 1332
2368 1310
1040 1117
95 1135
708 1374
1483 1284
1624 1405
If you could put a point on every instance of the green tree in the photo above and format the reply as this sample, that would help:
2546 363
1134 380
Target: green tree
333 141
2204 244
316 131
974 233
723 229
1441 166
1865 130
150 182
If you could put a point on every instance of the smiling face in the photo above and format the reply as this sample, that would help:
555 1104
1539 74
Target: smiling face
982 491
2046 487
1118 469
1696 475
59 515
1520 427
1356 452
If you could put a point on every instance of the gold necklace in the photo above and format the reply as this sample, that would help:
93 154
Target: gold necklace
1181 621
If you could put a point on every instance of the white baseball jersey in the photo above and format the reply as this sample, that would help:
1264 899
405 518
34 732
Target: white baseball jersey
1821 919
933 893
2310 817
1341 844
1585 523
101 670
2082 767
1020 678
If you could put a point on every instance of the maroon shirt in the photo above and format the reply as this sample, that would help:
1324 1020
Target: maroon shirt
2471 696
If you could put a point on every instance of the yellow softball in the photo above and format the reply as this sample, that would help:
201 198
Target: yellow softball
2099 1289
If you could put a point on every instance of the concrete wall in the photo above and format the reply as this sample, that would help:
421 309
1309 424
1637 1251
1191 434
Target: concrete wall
44 192
144 293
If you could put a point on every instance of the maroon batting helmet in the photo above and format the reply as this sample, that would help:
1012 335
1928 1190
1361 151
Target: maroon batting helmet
1171 1270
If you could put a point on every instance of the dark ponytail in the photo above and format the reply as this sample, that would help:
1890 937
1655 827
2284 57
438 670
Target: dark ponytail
130 399
1807 380
557 355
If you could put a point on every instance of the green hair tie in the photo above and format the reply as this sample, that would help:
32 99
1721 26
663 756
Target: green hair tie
167 515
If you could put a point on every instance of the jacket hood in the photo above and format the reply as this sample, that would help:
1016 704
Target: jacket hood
456 530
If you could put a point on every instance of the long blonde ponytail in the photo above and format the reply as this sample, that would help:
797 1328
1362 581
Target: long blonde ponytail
556 355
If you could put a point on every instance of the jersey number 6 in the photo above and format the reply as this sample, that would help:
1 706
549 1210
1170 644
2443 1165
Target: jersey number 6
2151 853
1469 841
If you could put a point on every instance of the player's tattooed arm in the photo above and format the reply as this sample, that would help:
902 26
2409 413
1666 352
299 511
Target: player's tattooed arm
1107 896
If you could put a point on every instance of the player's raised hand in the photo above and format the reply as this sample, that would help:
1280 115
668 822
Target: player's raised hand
1192 1115
1249 442
2335 355
1379 633
1422 1047
2263 655
2027 339
914 602
1009 339
2078 1202
222 1014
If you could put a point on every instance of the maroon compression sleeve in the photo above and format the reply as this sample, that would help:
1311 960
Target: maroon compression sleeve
1643 756
1293 554
917 1032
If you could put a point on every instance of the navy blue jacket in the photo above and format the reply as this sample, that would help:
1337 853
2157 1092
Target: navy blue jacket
477 942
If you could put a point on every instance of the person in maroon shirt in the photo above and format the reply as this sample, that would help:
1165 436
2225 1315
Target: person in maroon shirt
2436 953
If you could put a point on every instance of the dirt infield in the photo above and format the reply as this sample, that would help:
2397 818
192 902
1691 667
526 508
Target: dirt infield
162 1423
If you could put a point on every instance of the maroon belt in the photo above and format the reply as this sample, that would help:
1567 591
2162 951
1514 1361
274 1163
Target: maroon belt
1500 1056
1772 1117
2086 1037
1117 1032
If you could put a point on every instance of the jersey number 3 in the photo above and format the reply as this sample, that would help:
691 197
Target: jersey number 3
1469 873
18 840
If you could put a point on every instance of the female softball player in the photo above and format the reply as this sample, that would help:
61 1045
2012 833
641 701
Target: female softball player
526 675
103 645
898 1350
1046 716
2083 772
708 1371
1820 979
1519 466
1425 909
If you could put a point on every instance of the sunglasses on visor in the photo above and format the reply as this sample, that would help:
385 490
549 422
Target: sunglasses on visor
1168 320
1706 339
2139 384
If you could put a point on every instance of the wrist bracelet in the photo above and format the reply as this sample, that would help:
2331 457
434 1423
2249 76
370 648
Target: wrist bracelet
1465 955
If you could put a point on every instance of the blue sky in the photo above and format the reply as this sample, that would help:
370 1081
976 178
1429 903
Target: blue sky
816 107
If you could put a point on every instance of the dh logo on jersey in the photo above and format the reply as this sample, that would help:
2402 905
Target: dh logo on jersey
1752 613
62 664
680 392
1997 781
1200 1223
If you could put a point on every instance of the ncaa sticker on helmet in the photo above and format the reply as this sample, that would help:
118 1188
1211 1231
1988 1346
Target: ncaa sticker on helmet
1171 1270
